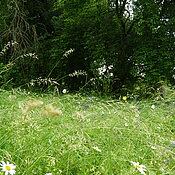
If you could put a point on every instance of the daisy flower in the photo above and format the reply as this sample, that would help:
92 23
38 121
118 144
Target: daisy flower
141 168
8 168
64 91
153 107
96 148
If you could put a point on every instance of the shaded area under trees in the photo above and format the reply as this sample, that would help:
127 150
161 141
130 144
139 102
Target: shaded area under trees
133 41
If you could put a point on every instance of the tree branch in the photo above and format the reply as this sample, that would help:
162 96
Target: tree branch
117 8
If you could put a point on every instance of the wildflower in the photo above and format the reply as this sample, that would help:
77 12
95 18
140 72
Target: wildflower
64 91
173 144
91 99
153 107
153 147
8 168
164 161
124 98
135 99
102 70
96 148
111 74
126 124
141 168
85 106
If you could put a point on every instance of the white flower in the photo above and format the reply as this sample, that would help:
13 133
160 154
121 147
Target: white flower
126 124
153 107
137 115
64 91
96 148
153 147
141 168
48 174
8 168
111 74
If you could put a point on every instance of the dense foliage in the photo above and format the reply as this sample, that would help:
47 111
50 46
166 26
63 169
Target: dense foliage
104 45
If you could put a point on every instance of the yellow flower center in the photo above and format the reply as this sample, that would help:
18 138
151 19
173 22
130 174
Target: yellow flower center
138 166
8 168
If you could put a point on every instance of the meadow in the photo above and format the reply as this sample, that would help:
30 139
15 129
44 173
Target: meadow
76 134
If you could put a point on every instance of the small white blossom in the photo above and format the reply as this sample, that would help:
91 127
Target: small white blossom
64 91
102 70
8 168
139 167
126 124
110 67
153 147
153 107
96 148
111 74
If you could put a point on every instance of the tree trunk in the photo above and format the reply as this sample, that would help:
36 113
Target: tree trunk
121 72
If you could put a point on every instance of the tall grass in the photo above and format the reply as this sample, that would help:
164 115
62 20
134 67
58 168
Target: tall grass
71 134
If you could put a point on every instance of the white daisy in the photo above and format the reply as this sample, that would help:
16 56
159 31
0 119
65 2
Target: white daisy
64 91
153 107
141 168
96 148
8 168
126 124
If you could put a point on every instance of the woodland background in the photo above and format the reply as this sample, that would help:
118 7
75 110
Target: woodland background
120 47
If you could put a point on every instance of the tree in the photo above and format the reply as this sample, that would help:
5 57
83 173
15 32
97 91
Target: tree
128 38
156 40
123 62
29 24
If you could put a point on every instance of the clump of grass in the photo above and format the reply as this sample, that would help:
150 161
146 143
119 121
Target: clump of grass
32 104
94 135
51 110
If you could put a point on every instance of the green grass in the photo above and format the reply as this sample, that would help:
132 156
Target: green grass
124 131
